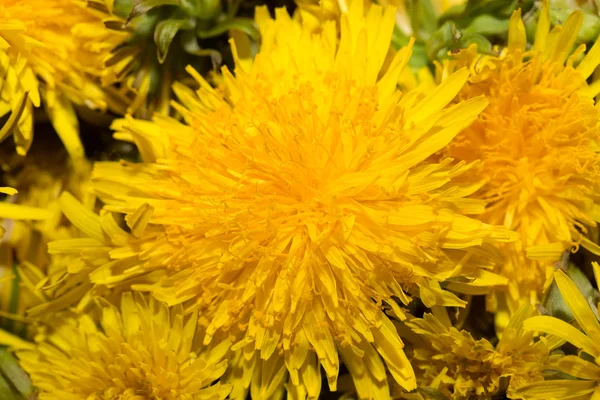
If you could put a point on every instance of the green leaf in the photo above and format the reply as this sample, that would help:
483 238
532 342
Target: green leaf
144 24
9 367
441 41
7 392
418 57
165 32
487 25
399 39
464 15
590 28
423 18
233 7
483 45
245 25
143 6
13 303
495 7
190 44
122 8
208 9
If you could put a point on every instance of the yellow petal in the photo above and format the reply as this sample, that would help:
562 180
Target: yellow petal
439 97
578 305
15 116
64 120
138 221
596 394
550 251
13 341
578 367
596 268
590 61
455 119
21 212
85 220
8 190
556 389
516 32
561 329
543 27
589 245
567 37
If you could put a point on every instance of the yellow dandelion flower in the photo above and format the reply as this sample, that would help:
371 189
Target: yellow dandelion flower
25 266
45 58
144 350
539 146
460 367
293 208
587 369
40 177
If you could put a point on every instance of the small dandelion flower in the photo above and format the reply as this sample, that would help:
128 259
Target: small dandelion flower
142 350
538 142
460 367
293 207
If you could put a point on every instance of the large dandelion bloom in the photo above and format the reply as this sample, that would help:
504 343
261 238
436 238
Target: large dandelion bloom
46 58
539 145
294 208
141 351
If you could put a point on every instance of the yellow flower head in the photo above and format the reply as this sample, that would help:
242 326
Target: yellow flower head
141 351
586 368
46 58
31 218
539 146
39 178
294 205
460 367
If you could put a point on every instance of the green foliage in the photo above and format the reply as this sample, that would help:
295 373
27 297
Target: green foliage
166 18
167 35
481 22
591 21
14 383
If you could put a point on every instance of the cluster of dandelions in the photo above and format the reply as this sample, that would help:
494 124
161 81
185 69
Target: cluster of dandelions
308 212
